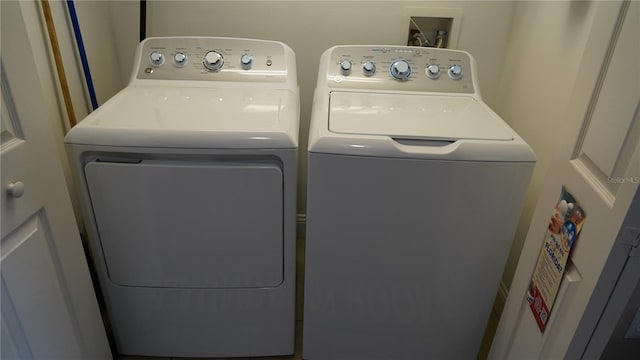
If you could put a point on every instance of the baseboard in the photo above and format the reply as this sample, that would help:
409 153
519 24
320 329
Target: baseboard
301 226
501 298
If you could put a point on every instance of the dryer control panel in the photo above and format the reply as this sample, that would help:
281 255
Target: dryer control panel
400 68
214 59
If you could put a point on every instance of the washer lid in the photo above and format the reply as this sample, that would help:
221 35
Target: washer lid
226 117
409 116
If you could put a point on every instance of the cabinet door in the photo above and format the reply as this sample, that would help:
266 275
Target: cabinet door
49 308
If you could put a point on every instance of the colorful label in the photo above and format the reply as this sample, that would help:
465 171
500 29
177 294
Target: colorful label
564 227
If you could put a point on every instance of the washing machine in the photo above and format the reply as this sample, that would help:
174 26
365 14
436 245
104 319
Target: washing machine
415 187
188 183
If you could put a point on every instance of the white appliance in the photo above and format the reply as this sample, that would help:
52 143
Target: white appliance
415 187
188 178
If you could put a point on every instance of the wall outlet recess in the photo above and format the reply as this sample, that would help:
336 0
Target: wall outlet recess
433 27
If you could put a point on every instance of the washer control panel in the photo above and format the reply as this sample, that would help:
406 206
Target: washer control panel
400 68
209 58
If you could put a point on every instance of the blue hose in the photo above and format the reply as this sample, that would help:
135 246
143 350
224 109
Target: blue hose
83 53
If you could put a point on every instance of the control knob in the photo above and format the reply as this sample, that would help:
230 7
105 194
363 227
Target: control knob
180 59
213 61
246 61
156 58
368 68
345 67
455 72
400 69
433 71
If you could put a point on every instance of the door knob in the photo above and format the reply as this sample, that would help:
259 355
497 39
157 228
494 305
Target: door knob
15 189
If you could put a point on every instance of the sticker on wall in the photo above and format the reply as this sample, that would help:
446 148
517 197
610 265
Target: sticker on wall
564 226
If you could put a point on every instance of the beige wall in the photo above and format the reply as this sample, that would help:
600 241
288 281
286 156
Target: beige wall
99 40
125 24
545 48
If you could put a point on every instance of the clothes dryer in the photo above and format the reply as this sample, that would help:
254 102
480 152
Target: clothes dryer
415 187
188 180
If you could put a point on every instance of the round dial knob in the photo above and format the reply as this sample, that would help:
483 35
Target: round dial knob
433 71
455 72
180 59
213 60
156 58
345 67
400 69
246 61
368 68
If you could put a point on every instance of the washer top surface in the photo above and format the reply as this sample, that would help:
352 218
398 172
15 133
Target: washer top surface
201 92
415 116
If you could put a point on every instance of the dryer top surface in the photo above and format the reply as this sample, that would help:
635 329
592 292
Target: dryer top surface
165 116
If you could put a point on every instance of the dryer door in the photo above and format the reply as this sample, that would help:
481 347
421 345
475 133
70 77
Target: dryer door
189 224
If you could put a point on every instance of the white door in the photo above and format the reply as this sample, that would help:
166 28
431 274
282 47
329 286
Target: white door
49 308
600 165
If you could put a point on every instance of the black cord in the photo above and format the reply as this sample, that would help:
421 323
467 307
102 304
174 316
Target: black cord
143 19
